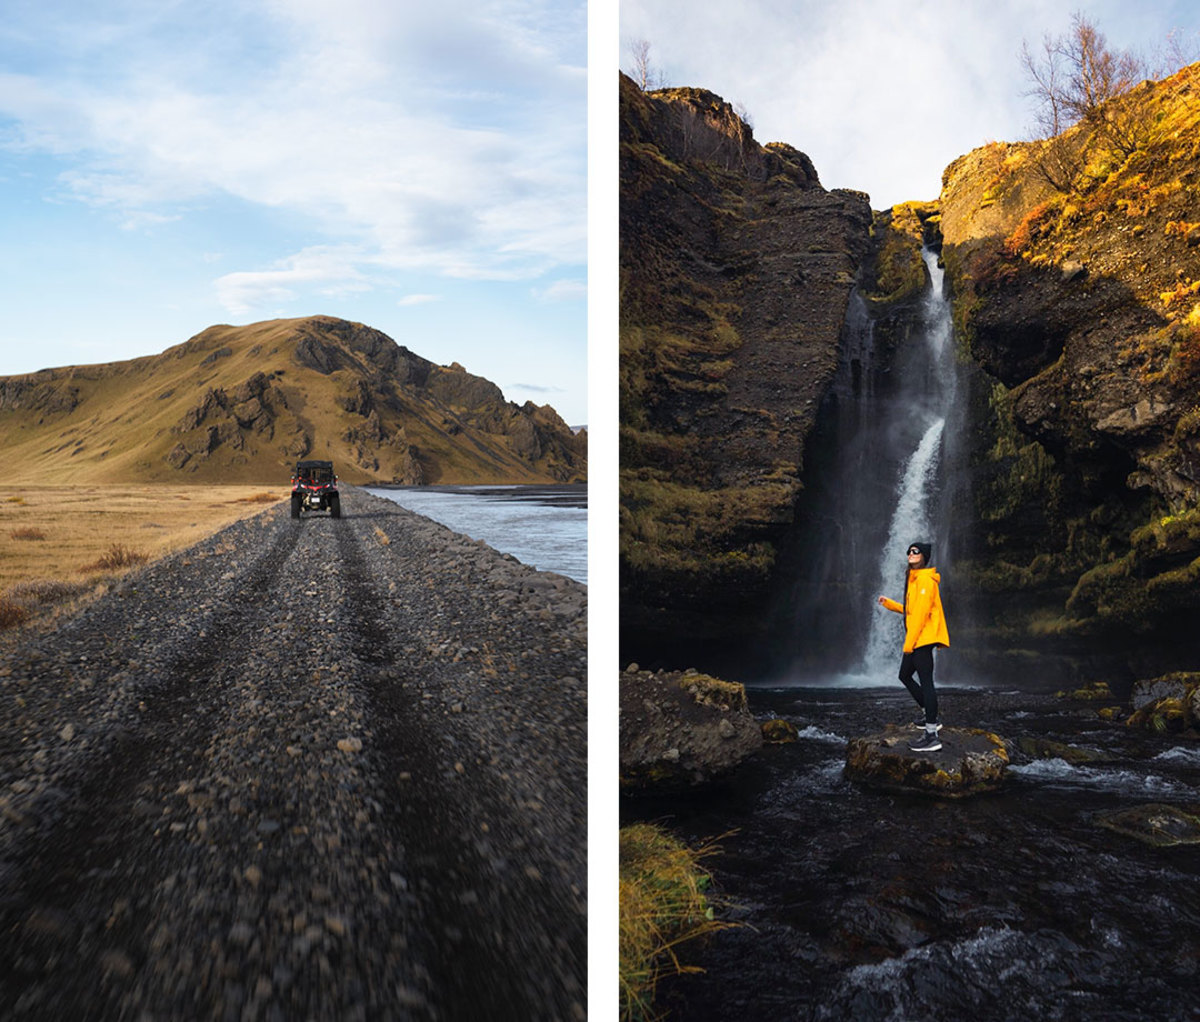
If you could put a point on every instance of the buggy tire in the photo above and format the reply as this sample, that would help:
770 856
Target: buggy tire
335 507
295 506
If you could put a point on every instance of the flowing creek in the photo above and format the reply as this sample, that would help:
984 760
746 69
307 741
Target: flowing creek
853 904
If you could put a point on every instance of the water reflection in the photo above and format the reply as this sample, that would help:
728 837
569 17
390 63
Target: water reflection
543 526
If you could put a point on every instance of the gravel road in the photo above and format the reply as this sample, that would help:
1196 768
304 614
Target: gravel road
303 770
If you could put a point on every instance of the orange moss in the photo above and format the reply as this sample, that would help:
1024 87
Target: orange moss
1180 292
1028 229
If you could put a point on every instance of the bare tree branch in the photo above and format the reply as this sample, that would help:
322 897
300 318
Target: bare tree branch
644 72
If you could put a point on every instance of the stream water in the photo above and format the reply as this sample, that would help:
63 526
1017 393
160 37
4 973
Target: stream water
850 904
543 526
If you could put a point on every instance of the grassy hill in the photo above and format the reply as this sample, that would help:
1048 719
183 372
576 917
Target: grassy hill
241 404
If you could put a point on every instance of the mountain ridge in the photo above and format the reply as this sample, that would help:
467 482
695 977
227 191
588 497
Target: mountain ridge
239 403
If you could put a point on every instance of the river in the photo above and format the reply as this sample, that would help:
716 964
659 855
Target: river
542 526
851 904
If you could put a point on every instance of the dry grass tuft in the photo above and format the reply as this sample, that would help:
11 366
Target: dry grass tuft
383 537
45 591
26 599
12 613
14 500
117 558
27 532
260 498
662 905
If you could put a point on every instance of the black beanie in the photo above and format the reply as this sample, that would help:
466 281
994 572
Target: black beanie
926 551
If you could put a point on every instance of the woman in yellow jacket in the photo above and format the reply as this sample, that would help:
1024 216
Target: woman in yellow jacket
924 628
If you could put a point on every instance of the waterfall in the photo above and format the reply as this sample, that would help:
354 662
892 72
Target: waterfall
910 523
876 476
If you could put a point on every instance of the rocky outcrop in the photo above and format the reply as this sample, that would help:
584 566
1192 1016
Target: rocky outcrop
679 730
970 762
1155 824
736 271
1082 302
1167 704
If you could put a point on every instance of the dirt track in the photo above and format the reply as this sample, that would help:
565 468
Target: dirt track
318 769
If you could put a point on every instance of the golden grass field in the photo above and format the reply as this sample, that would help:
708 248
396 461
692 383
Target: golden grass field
57 532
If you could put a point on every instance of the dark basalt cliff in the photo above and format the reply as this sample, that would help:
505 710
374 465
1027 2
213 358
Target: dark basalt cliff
1077 308
736 270
1082 303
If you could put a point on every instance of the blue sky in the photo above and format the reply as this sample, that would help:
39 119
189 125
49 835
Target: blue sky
881 94
166 165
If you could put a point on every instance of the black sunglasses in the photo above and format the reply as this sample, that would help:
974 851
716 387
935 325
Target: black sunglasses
913 550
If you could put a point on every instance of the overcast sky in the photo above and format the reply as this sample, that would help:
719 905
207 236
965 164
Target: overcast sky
881 94
167 165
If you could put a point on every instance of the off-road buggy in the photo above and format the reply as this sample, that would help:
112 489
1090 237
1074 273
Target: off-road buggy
314 488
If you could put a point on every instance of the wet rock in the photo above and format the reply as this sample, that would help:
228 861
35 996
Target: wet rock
1169 703
682 729
970 761
1155 824
1046 748
1089 693
779 731
1168 686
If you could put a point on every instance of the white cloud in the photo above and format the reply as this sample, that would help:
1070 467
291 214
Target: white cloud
562 291
450 138
881 94
328 271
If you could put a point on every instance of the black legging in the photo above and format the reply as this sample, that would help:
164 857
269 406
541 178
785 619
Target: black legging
920 662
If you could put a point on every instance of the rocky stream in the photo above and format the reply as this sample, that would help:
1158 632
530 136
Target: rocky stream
306 769
854 904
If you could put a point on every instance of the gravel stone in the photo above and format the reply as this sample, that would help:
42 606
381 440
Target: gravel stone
235 785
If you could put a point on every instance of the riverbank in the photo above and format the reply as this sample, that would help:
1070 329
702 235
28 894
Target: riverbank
325 768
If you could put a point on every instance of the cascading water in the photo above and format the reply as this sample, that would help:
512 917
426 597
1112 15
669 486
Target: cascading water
877 473
914 518
910 523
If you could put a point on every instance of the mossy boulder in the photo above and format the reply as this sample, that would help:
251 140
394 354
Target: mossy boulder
970 762
681 729
1096 690
778 731
1177 685
1046 748
1168 704
1155 824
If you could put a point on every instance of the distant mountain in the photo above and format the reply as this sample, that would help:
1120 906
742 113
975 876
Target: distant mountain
241 404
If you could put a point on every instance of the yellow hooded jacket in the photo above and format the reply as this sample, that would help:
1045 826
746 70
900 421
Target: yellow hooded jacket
924 619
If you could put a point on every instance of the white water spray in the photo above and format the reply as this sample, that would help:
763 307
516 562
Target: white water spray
912 518
888 445
910 523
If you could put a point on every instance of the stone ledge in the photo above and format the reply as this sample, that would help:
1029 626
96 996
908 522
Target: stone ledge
969 762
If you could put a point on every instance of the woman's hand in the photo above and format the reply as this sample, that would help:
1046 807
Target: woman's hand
882 600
